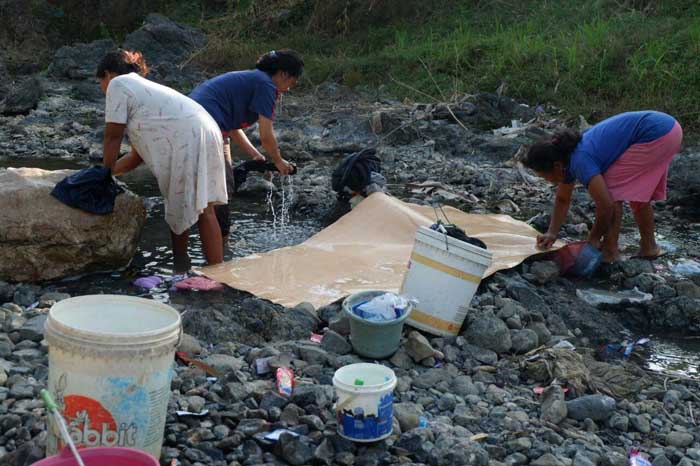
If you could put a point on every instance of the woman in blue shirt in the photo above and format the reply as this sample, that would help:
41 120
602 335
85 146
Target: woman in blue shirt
622 159
239 99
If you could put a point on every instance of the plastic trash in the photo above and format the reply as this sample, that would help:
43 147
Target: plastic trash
636 459
564 344
199 284
385 307
148 283
579 259
285 381
620 350
422 422
596 297
686 267
275 434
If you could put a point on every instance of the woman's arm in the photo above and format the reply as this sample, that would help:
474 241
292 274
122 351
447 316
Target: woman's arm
239 138
114 133
603 209
562 201
269 142
127 163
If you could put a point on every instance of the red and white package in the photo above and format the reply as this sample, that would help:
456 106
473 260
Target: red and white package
285 381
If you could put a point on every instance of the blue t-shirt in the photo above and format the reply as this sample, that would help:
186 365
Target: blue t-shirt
236 99
604 143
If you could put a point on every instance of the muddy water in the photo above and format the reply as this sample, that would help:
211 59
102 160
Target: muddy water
256 228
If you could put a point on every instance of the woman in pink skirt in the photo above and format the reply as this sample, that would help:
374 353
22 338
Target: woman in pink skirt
623 158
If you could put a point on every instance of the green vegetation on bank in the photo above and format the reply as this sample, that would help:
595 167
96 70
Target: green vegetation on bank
593 57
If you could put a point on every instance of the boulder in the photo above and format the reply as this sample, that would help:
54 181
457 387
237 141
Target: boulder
79 61
22 98
43 239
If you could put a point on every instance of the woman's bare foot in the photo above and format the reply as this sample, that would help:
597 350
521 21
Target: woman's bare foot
611 256
650 253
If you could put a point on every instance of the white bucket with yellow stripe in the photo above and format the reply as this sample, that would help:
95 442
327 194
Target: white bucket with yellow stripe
443 275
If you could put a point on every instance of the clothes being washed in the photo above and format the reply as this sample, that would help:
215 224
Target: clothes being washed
91 189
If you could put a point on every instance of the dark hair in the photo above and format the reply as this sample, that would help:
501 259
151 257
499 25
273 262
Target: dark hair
541 156
286 60
120 62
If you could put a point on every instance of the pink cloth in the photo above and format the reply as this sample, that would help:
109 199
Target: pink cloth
199 283
639 175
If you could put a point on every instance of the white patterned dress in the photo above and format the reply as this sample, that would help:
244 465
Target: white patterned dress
177 139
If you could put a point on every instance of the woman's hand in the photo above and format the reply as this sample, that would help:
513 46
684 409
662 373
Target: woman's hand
546 240
284 167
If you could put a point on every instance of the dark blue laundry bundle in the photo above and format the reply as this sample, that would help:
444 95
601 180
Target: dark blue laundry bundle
91 189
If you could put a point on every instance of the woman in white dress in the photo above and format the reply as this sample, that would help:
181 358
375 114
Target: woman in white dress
176 138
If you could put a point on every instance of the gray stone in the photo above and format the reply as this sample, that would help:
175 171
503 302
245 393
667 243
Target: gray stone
640 423
313 354
79 61
408 415
224 363
6 346
402 359
527 296
430 378
633 267
547 460
296 450
22 390
340 324
189 344
22 98
543 333
582 460
619 422
671 398
418 347
462 386
661 460
250 427
53 296
273 400
335 343
515 459
679 439
544 271
482 355
325 452
688 289
519 444
316 395
523 340
33 329
663 291
554 408
595 407
447 402
196 403
488 331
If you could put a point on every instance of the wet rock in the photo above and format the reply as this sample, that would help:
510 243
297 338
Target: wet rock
523 340
554 408
335 343
544 271
79 61
679 439
56 240
595 407
418 347
256 184
22 98
488 331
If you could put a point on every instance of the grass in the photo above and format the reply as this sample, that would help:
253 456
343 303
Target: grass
589 57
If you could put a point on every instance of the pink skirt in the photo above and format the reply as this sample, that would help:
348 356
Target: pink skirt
639 175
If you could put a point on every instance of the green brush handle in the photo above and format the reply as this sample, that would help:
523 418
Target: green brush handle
48 400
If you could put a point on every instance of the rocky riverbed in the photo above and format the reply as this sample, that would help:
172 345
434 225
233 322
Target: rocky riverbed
467 400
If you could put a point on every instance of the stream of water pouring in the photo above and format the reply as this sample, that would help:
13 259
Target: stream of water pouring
281 218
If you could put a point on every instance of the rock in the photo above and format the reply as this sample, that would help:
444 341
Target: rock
295 450
335 343
189 344
633 267
33 330
582 460
595 407
661 460
619 422
250 427
340 324
44 239
523 340
554 408
273 400
418 347
408 415
313 354
402 359
162 40
324 452
547 460
6 292
527 296
688 289
462 386
223 363
256 184
27 454
679 439
22 98
543 333
640 423
196 403
79 61
544 271
316 395
488 331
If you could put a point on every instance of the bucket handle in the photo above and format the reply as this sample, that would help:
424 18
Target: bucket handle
348 400
180 336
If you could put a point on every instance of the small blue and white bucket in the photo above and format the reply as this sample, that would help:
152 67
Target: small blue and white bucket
365 406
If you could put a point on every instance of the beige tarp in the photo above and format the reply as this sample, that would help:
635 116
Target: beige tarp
367 249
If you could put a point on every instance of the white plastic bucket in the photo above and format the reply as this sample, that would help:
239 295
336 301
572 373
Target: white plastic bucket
443 275
110 368
365 412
